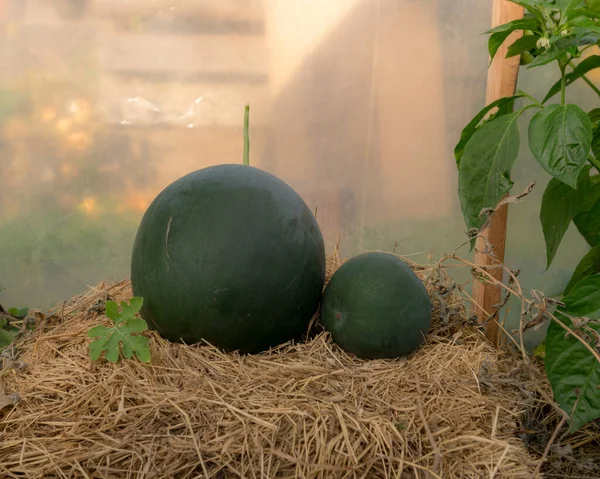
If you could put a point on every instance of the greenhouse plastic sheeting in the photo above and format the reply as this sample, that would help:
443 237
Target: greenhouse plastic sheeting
355 103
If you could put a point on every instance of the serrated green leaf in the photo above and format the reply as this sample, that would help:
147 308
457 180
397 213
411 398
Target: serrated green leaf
142 348
484 175
131 309
121 337
585 66
136 304
136 325
505 106
500 33
587 218
96 347
98 330
521 45
556 213
560 138
588 266
111 349
112 310
573 371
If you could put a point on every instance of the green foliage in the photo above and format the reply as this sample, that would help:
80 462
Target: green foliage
580 70
504 105
121 338
484 174
560 138
246 135
588 266
565 141
556 213
573 371
7 333
18 313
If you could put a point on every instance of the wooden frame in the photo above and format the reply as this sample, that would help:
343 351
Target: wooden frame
501 81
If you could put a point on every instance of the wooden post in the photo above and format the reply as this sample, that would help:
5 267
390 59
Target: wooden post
501 82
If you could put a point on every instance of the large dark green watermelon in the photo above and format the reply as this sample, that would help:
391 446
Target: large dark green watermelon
375 306
232 255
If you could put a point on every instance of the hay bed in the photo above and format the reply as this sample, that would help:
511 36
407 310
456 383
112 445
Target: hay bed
304 410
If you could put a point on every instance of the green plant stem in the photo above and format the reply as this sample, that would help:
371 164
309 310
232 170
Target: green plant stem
246 135
595 163
563 84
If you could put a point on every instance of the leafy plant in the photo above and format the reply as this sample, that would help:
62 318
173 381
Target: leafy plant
565 141
8 331
18 313
121 337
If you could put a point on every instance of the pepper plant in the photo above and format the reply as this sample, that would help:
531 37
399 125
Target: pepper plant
564 139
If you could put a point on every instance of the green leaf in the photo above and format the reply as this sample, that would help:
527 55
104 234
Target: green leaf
596 138
97 346
568 7
6 337
533 6
121 337
588 223
588 266
130 310
521 45
112 310
500 33
594 115
545 58
590 63
18 313
560 203
586 23
587 218
560 138
556 214
573 371
484 175
505 106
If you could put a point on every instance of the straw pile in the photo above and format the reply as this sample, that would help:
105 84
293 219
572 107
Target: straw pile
452 410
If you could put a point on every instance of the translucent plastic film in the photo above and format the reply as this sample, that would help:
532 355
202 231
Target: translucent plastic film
356 103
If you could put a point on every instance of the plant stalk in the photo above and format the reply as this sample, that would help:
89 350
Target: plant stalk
246 135
563 84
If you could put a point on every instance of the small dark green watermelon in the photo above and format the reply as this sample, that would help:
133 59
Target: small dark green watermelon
232 255
375 306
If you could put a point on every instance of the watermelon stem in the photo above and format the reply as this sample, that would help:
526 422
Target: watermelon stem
246 135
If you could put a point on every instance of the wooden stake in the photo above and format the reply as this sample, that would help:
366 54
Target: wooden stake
501 82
